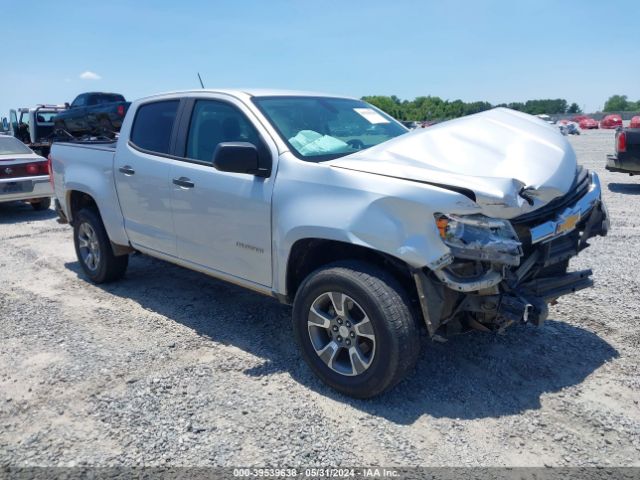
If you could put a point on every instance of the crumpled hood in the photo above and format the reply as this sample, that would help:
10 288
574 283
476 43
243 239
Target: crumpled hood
495 154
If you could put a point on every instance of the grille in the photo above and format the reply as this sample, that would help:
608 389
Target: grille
578 189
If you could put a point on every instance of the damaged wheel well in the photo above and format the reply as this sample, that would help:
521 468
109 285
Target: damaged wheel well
79 200
309 254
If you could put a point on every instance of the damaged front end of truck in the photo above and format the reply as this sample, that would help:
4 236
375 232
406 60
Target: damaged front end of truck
500 271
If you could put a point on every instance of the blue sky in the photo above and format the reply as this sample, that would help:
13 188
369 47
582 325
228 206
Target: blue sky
492 50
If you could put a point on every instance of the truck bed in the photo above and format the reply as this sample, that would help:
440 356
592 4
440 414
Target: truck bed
77 167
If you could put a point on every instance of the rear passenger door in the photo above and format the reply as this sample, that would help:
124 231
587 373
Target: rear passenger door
141 169
222 219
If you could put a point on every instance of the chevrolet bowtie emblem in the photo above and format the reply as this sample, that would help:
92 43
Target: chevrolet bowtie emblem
568 223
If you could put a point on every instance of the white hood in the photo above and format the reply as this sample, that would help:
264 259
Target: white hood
495 154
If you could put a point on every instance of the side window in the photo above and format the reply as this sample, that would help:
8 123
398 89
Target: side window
80 101
214 122
153 125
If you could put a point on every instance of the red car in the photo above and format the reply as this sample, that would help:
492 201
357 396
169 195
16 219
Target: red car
579 118
635 122
588 123
611 121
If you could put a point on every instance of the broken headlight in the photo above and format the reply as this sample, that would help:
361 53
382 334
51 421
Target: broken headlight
476 237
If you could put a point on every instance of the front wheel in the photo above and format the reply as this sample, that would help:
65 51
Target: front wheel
93 249
355 328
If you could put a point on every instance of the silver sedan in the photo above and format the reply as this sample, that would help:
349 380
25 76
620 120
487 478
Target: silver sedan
24 175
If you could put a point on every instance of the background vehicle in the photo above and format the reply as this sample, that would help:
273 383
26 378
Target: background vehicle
635 122
588 123
364 231
24 175
34 126
93 113
546 118
627 156
568 127
611 121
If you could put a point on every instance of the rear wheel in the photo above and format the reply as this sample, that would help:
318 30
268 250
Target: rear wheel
42 204
105 128
93 249
355 328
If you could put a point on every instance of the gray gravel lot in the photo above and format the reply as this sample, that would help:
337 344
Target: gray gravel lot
171 367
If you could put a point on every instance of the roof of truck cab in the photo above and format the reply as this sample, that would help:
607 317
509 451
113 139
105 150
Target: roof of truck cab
251 92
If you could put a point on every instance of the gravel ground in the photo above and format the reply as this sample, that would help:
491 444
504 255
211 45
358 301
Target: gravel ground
172 367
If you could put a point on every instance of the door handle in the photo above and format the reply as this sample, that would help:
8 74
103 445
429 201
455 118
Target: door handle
127 170
183 182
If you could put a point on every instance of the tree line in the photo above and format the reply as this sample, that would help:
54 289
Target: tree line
621 103
434 108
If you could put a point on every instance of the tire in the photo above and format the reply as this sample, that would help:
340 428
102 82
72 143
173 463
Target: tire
42 204
377 363
60 125
90 237
105 128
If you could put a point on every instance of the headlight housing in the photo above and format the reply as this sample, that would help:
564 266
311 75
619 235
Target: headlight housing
476 237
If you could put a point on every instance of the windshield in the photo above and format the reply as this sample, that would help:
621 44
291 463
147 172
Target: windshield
12 146
322 128
45 117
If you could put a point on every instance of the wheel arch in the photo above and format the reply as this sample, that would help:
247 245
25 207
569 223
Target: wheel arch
76 200
309 254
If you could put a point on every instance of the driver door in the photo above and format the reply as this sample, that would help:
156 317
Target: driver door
222 220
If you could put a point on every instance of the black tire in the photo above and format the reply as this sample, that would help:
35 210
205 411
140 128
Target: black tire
60 126
105 128
385 303
42 204
108 267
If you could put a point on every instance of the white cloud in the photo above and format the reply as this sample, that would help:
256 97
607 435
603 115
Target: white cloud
90 76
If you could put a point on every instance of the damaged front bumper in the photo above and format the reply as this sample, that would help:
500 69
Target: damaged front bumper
492 295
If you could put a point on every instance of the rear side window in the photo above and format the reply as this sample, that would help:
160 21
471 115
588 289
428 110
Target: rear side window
153 125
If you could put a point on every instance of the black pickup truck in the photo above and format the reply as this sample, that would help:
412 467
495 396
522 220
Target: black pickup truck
627 156
93 113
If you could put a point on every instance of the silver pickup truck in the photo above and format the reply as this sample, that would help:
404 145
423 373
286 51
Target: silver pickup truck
370 231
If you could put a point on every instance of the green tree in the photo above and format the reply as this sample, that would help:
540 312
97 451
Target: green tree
435 108
387 104
617 103
574 108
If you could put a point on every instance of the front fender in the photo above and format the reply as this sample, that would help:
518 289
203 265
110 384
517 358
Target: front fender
389 215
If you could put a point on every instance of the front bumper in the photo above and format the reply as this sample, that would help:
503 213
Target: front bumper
25 188
505 294
628 165
569 218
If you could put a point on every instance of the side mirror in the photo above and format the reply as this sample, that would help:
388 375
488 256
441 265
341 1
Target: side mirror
66 105
238 157
5 124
